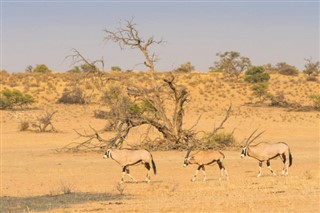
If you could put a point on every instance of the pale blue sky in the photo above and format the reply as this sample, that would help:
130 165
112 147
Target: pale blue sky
36 32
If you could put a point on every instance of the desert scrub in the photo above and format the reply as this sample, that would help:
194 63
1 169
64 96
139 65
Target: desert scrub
74 95
24 125
14 98
316 101
256 74
260 90
222 139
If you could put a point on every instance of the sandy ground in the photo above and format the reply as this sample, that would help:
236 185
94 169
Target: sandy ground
35 178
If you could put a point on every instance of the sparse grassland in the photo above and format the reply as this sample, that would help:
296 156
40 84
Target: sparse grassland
35 178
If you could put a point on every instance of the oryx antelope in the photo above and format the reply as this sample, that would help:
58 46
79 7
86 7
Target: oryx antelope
202 158
127 157
265 151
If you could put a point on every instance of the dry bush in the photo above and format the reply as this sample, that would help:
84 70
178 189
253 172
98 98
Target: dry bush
74 95
43 122
24 125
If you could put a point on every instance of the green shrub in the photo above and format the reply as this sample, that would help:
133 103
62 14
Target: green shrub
222 139
75 69
41 68
14 98
256 74
316 101
286 69
140 107
186 67
311 68
213 70
115 69
260 90
111 95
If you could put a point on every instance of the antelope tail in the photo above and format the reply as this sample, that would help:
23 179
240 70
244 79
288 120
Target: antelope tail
154 166
290 158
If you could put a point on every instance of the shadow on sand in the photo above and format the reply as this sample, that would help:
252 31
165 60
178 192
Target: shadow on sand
50 202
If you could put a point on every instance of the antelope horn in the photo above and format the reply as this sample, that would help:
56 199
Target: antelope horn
188 153
247 142
256 137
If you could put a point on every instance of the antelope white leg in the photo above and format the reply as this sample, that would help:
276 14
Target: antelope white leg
122 178
271 171
205 176
132 178
260 165
268 165
148 177
221 174
286 170
195 175
227 176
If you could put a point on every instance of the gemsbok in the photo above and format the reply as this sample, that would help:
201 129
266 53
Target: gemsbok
202 158
127 157
265 151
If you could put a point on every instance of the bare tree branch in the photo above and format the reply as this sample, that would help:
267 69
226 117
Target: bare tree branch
128 36
227 115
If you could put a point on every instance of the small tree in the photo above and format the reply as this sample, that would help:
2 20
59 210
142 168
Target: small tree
285 69
232 64
75 69
13 98
260 90
311 68
186 67
29 68
316 101
256 74
115 69
41 68
129 36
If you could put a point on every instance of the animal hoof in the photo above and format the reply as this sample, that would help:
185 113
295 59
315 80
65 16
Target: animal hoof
192 180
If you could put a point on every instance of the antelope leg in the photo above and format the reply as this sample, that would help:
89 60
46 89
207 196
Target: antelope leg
226 173
123 173
260 165
147 165
221 167
128 173
268 165
195 175
204 173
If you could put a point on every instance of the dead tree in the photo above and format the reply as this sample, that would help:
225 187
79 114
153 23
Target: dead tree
150 106
170 126
129 36
45 121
